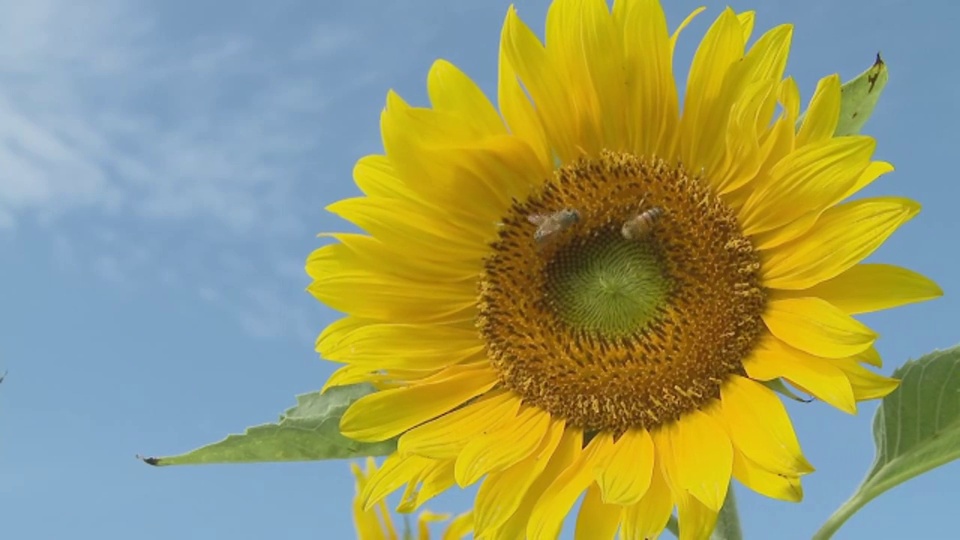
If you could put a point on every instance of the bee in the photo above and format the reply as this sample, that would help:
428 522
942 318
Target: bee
550 225
641 224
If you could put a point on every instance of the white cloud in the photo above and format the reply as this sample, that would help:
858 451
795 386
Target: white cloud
102 109
178 149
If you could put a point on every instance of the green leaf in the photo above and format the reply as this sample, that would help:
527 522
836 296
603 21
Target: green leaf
859 96
916 429
310 431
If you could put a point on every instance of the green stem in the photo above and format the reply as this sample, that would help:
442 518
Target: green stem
839 517
728 521
673 526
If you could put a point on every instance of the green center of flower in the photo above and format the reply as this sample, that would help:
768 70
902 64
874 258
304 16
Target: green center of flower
606 284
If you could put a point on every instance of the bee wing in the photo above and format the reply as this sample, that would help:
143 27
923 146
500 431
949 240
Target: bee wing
537 219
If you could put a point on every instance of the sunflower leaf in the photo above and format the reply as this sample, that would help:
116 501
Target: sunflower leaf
307 432
916 429
859 96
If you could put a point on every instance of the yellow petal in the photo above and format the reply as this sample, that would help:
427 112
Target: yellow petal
453 91
396 221
481 178
807 180
376 177
866 384
426 127
764 482
872 287
870 356
424 520
396 471
460 527
648 68
842 237
743 156
768 240
552 508
566 42
517 110
747 20
409 134
359 254
776 142
696 520
568 451
503 492
818 376
797 228
624 476
432 481
749 96
760 428
599 45
871 173
503 447
345 375
648 517
540 78
705 475
823 114
387 296
720 48
454 168
817 327
596 519
742 108
766 61
790 100
675 36
404 346
385 414
446 436
368 522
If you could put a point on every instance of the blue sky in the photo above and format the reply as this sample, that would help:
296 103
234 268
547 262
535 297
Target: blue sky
163 171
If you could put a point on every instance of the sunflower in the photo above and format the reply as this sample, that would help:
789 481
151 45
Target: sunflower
375 523
583 292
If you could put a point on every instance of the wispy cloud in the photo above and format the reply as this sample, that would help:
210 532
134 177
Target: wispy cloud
187 137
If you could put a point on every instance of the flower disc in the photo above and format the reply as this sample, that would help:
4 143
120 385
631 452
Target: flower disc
612 333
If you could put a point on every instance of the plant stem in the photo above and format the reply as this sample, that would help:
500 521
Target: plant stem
839 517
728 521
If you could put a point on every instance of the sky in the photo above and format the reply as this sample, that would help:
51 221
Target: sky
163 172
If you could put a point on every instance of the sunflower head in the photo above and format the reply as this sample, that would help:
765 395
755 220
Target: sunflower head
642 307
584 290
